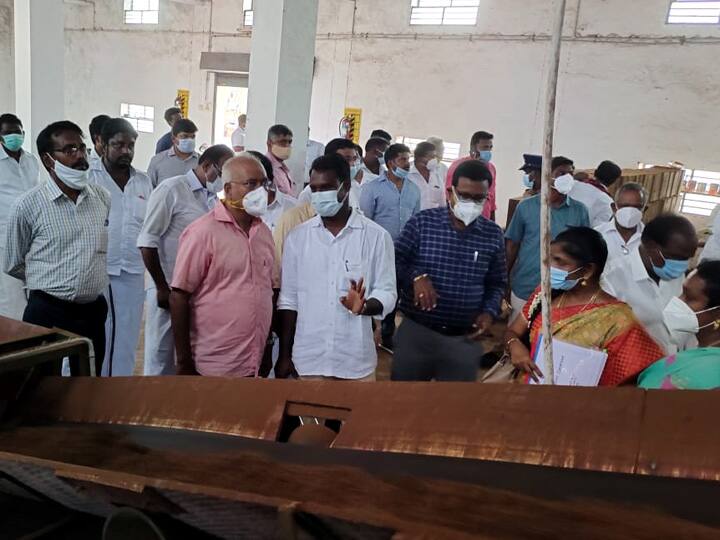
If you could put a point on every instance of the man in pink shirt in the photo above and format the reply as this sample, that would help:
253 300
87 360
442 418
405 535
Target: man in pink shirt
221 299
481 145
279 145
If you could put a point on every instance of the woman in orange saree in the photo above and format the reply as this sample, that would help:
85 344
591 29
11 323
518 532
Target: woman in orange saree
583 314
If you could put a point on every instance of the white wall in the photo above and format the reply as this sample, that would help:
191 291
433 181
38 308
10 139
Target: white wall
631 87
7 69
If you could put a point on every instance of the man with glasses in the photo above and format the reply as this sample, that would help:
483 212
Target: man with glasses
57 241
129 191
452 276
18 175
172 206
653 273
222 301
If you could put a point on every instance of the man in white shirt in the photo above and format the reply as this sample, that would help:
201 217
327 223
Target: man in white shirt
129 192
95 128
711 251
373 164
622 233
345 148
18 174
173 205
313 150
654 272
596 199
338 270
238 136
278 202
426 175
439 145
180 158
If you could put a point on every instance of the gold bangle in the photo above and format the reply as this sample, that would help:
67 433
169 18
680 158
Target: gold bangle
510 342
418 278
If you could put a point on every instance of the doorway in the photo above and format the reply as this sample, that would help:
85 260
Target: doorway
231 92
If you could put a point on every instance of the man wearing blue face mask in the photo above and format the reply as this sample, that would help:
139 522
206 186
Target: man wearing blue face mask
180 159
653 273
390 201
57 241
18 174
338 272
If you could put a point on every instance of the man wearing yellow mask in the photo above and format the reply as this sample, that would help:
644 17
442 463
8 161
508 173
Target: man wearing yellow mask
221 299
279 145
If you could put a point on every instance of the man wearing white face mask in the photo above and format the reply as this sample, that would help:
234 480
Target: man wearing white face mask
180 158
522 237
221 299
172 206
338 272
622 233
597 201
425 173
279 150
57 241
452 276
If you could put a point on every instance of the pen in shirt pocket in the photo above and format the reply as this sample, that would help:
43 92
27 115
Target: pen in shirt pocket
475 257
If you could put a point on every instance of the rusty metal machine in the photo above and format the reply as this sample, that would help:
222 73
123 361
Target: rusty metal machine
192 457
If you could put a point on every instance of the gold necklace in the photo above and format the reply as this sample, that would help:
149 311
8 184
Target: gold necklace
594 297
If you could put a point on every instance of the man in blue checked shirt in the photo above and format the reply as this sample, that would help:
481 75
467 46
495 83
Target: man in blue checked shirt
452 277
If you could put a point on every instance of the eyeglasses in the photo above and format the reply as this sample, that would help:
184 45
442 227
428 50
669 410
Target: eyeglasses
475 199
251 184
72 150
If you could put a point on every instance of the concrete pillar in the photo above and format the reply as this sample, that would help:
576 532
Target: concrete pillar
281 70
39 35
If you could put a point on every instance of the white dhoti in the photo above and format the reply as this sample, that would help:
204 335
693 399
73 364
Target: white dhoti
159 344
12 292
125 297
517 304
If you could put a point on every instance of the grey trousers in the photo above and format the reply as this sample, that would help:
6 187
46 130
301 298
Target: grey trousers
422 354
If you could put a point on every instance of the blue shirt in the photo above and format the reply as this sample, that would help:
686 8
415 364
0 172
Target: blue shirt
467 268
385 205
524 229
164 143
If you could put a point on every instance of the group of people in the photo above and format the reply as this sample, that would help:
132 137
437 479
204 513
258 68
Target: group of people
253 272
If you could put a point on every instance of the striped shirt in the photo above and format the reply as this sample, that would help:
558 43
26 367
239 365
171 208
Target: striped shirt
467 268
58 246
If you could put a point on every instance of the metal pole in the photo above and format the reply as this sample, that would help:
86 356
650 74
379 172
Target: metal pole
545 232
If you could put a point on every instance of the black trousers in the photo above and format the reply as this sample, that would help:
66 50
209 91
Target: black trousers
87 320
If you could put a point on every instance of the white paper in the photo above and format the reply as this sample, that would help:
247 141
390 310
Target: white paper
572 365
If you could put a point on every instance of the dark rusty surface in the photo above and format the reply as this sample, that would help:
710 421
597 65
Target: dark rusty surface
595 429
12 331
435 496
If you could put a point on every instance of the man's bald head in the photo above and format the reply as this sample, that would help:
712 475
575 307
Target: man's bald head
241 175
243 167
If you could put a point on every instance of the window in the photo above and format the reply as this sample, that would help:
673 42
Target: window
247 13
694 12
141 11
141 117
701 192
452 150
444 12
